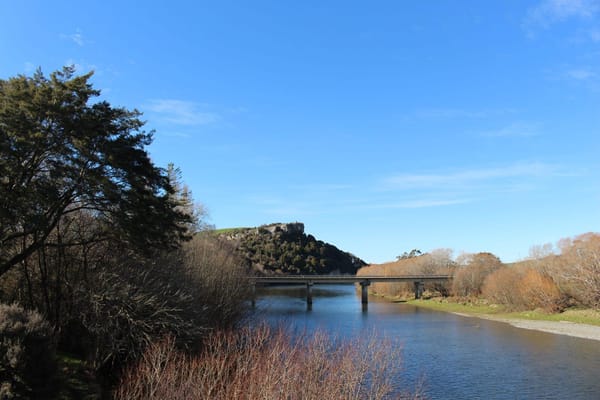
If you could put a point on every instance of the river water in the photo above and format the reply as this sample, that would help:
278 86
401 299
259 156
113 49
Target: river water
454 357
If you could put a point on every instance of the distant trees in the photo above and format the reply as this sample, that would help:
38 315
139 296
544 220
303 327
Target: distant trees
438 261
411 254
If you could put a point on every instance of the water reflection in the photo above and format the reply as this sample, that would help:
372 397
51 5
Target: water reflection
459 357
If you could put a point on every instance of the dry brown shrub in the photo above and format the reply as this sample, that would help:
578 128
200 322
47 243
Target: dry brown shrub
577 270
261 364
523 289
469 278
539 291
502 287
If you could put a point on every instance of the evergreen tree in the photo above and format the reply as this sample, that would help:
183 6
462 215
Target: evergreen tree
61 153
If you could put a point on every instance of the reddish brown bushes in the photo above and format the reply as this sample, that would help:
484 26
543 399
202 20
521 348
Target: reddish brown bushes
523 289
502 287
539 291
257 364
469 277
577 269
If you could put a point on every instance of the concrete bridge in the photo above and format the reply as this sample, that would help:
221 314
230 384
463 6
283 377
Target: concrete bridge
364 281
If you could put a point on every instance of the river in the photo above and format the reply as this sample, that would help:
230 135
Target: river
454 357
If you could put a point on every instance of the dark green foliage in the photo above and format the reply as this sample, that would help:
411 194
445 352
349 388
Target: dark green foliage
91 231
275 249
61 154
27 355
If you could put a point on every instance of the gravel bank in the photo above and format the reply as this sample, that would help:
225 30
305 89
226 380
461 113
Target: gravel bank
557 327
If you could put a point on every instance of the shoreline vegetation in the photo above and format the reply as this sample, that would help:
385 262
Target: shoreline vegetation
581 323
556 289
112 284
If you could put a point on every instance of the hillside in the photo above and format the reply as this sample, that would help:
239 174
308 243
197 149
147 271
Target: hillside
286 249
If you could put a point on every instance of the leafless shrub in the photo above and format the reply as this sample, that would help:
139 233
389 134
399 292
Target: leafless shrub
219 277
469 277
577 269
185 294
503 287
523 289
539 291
260 364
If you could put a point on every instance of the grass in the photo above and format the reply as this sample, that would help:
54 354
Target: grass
76 380
580 316
230 231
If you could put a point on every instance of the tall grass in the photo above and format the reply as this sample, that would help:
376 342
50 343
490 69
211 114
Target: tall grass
264 364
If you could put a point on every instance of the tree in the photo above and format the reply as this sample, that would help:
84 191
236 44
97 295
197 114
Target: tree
62 154
413 253
183 198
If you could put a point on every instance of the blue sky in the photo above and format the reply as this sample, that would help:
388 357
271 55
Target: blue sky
383 126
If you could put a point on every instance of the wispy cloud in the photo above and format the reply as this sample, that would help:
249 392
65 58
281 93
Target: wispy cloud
469 178
549 12
516 129
76 37
421 203
580 74
181 112
323 187
461 113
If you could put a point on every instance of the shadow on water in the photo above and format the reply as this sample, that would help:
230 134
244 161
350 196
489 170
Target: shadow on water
299 291
459 357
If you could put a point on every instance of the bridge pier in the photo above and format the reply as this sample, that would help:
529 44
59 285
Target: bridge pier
309 300
419 289
364 285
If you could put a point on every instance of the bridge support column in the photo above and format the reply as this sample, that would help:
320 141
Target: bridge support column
364 285
309 300
418 289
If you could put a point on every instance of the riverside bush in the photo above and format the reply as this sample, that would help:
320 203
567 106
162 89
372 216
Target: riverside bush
185 294
27 354
262 364
523 289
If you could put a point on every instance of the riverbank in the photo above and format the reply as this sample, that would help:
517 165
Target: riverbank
577 323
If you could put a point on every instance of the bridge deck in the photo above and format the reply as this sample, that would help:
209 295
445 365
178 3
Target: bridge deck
365 281
331 279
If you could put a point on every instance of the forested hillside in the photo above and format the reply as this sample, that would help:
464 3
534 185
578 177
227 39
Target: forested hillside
286 249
